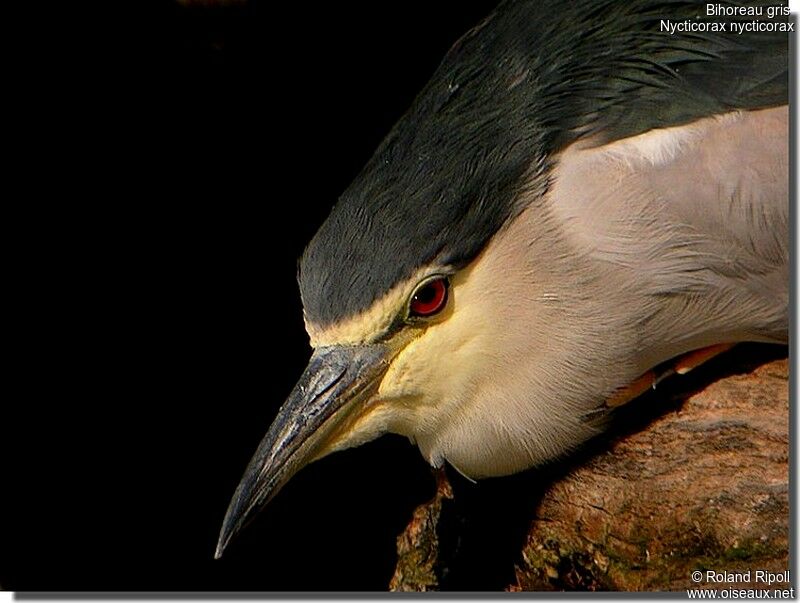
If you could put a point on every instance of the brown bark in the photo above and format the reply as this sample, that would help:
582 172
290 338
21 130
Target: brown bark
701 485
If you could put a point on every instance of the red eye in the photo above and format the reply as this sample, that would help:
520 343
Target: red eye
430 298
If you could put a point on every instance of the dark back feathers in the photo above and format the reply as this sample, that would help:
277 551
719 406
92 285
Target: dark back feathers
535 76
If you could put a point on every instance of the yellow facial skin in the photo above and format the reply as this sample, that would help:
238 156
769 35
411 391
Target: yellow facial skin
392 406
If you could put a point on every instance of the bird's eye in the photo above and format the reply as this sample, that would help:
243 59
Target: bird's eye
429 299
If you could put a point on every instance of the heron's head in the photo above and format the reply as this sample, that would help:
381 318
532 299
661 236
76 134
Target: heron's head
424 311
443 297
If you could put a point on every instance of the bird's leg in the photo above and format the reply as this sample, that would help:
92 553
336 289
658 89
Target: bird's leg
633 390
682 365
691 360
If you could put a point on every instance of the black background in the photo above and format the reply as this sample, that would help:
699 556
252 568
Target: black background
176 161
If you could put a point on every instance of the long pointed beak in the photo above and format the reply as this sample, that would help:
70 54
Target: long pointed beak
336 382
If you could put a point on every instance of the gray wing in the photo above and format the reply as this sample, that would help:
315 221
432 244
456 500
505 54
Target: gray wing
693 221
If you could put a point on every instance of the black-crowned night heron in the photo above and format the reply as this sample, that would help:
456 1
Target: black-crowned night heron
580 194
